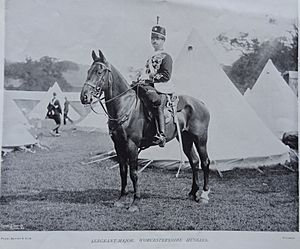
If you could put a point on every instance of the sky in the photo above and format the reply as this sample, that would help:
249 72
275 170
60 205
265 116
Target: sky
70 29
286 8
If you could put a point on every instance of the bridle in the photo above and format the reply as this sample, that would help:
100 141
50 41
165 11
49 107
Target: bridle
97 90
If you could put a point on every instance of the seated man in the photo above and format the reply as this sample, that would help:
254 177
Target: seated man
156 81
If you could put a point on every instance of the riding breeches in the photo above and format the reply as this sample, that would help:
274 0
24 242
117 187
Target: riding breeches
156 101
151 95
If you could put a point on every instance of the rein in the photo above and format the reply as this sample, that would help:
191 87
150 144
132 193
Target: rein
97 92
123 118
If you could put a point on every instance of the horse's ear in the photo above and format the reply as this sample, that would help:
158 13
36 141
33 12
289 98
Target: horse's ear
102 57
94 56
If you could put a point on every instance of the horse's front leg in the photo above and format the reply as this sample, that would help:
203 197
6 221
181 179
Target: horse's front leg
122 157
133 165
123 173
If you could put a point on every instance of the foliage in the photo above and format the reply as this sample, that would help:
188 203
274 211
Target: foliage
240 43
255 54
39 75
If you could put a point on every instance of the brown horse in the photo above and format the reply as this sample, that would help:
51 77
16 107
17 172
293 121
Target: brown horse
131 130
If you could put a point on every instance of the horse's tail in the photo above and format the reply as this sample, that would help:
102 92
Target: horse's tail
194 109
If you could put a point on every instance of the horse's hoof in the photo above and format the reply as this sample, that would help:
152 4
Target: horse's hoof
193 197
133 208
119 204
204 201
204 197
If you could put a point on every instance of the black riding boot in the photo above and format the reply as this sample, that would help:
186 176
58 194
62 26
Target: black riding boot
161 127
160 138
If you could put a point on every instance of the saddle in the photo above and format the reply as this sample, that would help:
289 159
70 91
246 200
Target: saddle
170 108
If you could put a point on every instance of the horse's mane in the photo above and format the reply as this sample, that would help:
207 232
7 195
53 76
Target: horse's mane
117 73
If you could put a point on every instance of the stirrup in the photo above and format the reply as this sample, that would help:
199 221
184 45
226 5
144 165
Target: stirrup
159 140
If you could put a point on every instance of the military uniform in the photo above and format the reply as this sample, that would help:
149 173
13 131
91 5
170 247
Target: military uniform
156 77
66 110
57 111
159 70
156 83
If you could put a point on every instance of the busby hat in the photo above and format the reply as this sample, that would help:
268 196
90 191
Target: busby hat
158 31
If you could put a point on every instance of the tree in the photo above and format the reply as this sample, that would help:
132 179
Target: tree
294 46
39 75
255 54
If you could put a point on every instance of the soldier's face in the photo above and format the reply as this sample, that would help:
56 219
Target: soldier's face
157 43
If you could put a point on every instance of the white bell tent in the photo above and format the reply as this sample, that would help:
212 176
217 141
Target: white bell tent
40 110
15 129
95 120
247 92
274 101
236 137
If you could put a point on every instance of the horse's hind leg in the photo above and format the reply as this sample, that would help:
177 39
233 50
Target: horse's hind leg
193 158
200 143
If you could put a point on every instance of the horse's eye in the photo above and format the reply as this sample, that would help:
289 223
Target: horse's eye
99 72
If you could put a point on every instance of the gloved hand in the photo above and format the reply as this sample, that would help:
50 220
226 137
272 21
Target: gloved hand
134 84
147 82
140 83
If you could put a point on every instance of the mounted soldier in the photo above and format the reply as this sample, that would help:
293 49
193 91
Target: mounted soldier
154 82
128 119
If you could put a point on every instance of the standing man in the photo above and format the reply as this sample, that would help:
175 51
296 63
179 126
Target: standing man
66 110
56 110
156 81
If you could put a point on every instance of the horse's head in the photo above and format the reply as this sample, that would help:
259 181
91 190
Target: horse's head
97 79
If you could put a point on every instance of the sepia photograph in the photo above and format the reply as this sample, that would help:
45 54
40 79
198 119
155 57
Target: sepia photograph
149 124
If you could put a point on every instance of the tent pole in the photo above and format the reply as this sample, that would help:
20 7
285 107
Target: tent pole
220 173
114 166
146 165
98 160
43 147
107 153
181 163
287 167
259 170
